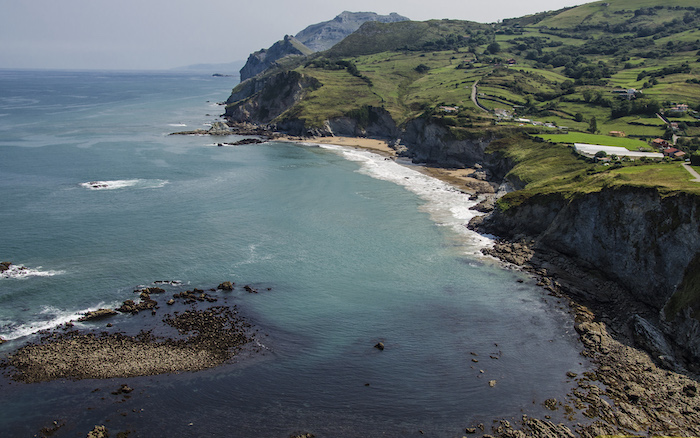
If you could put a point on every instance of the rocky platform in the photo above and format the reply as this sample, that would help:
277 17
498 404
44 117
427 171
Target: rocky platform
207 337
631 392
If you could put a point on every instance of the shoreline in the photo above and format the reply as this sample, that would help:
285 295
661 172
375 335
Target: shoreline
637 394
468 180
647 395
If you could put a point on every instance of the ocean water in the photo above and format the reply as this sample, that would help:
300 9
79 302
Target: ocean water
98 199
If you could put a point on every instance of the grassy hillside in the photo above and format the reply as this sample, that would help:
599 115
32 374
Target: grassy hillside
625 66
546 167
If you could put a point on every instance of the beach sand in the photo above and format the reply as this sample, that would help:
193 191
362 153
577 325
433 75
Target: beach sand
462 179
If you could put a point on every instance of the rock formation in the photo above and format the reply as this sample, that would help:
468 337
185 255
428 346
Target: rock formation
315 38
263 59
323 36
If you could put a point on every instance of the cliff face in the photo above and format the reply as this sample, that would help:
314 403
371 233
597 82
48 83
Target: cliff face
634 236
263 100
431 143
263 59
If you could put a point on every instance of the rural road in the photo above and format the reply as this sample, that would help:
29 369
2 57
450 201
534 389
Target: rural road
692 172
476 102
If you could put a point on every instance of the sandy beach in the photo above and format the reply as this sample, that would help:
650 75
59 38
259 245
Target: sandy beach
462 179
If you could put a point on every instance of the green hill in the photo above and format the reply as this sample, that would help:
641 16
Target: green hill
615 66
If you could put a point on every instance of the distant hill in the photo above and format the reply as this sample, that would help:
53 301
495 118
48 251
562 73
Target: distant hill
229 68
322 36
315 38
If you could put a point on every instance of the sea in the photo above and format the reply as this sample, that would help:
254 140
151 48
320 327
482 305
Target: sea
347 247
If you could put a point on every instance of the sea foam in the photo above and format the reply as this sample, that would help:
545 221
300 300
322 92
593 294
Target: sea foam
446 205
23 272
125 183
48 318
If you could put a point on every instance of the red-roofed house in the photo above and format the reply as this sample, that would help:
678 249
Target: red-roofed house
673 153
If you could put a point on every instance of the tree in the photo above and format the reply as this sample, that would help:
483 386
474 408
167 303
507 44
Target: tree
578 117
593 125
493 48
422 68
695 159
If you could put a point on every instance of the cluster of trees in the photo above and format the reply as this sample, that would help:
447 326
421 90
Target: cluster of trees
621 108
329 64
633 25
588 73
450 42
683 68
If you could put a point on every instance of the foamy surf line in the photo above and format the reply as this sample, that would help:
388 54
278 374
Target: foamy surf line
446 205
125 183
22 272
49 318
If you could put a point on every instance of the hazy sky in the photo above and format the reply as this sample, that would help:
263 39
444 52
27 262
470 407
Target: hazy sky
161 34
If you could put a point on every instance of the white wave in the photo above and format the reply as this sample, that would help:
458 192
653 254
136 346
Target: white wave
49 318
177 124
124 183
446 205
23 272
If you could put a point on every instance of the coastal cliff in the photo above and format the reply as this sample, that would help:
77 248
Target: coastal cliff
638 238
262 100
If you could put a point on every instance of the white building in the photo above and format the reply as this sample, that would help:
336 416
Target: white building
589 150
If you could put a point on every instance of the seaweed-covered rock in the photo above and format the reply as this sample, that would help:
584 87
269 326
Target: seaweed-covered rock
226 285
98 432
97 314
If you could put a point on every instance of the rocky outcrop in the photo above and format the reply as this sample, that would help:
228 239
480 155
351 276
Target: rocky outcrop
315 38
263 100
216 129
323 36
226 285
97 314
263 59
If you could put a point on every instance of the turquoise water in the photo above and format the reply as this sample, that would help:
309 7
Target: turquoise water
98 199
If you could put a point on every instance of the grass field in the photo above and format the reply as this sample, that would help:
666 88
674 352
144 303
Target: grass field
603 140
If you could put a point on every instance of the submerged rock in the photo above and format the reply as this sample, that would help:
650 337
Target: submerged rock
123 389
4 266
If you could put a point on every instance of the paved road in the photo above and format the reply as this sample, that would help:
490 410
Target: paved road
474 99
692 172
